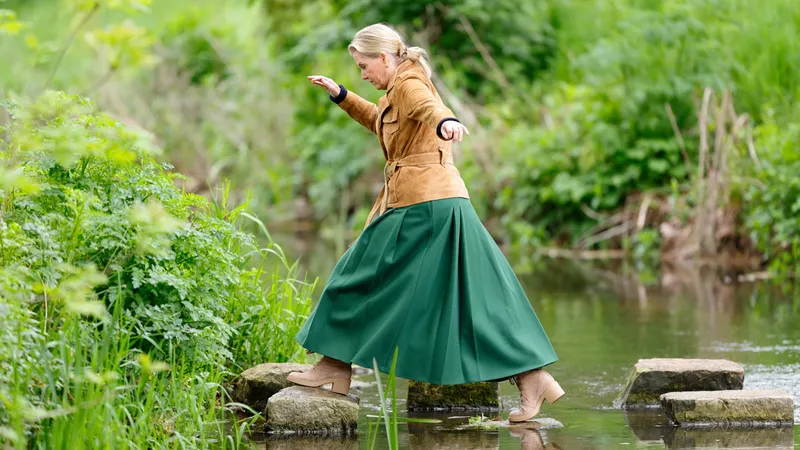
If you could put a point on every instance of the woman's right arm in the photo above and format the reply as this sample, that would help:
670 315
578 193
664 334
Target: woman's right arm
362 111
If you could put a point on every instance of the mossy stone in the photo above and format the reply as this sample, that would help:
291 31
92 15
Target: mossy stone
483 396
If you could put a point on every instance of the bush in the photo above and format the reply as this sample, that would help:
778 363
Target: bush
771 195
106 260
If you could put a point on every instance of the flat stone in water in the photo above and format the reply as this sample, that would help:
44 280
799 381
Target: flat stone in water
256 385
544 423
483 396
311 411
747 408
650 378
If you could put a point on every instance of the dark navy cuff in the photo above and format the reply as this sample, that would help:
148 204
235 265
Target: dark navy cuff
439 127
342 94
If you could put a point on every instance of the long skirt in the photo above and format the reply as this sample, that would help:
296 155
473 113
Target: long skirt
429 280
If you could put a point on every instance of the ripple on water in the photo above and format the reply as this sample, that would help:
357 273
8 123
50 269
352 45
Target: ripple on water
749 347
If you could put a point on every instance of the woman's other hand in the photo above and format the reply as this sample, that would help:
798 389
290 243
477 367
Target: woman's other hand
328 84
452 130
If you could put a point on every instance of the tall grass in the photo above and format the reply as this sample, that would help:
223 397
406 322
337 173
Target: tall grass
91 390
83 385
389 419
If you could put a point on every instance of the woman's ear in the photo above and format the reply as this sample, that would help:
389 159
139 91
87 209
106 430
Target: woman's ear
384 59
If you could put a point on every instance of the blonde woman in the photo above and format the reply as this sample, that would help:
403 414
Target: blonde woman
424 275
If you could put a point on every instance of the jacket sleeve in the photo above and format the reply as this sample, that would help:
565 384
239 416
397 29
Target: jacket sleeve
362 111
418 102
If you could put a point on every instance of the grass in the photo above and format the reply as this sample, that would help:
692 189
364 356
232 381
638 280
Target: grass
93 391
389 419
77 378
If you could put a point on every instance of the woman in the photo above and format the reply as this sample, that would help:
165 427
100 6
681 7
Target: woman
424 275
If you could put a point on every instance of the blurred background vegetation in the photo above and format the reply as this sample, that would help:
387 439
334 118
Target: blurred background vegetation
586 114
657 132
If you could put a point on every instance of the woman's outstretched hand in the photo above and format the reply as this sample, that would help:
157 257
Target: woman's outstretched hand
454 130
328 84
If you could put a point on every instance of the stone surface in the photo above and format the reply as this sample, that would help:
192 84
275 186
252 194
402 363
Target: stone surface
762 438
747 408
543 423
257 384
460 397
311 411
650 378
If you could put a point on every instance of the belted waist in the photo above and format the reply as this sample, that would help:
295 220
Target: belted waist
417 159
422 159
441 157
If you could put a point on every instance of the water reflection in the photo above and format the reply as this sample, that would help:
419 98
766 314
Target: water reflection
425 437
304 443
648 426
529 438
776 438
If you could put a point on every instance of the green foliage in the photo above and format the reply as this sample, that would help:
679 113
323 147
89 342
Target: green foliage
518 36
190 42
582 157
577 101
9 25
771 195
107 259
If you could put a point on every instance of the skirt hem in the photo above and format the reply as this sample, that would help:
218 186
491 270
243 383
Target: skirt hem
400 373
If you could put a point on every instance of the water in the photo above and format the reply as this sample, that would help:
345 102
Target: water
601 322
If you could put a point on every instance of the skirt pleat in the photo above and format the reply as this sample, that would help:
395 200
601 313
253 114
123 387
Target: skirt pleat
430 280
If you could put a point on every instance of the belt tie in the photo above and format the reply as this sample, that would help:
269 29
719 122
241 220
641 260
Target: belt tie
390 168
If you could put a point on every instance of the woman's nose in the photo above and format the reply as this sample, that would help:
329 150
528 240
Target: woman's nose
363 75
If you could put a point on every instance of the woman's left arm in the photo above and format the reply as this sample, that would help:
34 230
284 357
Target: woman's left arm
417 101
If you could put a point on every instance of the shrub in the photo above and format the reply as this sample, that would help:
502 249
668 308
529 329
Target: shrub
108 266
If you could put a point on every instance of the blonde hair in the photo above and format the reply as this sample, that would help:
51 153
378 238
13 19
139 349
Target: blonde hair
374 39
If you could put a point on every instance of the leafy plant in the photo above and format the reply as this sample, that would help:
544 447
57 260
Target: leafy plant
107 264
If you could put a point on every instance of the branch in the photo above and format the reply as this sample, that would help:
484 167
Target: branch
83 22
608 234
679 137
484 51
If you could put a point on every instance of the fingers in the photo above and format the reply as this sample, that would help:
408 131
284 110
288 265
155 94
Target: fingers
447 133
454 131
325 82
461 131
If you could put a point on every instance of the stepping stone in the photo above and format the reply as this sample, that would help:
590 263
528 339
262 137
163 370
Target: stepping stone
256 385
311 411
483 396
755 408
651 378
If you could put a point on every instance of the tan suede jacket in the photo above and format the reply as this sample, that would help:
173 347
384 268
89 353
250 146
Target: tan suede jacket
408 120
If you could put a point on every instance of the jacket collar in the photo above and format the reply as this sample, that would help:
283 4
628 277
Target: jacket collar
404 66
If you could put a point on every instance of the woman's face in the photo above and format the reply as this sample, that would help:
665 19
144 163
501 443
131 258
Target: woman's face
374 70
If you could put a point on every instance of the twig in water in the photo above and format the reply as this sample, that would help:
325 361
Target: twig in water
608 234
583 254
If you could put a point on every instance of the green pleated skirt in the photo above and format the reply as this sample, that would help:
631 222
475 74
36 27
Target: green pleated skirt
429 279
